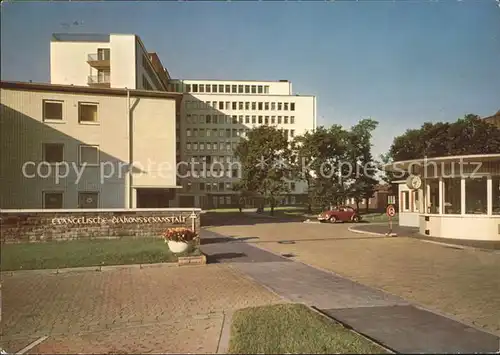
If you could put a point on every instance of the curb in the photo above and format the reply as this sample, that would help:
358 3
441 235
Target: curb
354 230
89 268
225 333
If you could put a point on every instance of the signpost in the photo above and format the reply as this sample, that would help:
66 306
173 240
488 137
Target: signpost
391 212
193 217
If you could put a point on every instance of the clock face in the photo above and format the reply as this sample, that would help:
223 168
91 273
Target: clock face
416 182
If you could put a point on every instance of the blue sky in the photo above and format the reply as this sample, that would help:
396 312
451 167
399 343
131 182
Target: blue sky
400 62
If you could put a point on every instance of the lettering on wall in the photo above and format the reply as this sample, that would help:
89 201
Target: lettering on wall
117 220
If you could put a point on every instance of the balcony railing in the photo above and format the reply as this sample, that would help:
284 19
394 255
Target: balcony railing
98 56
99 79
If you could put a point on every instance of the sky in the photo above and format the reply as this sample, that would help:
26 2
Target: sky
399 62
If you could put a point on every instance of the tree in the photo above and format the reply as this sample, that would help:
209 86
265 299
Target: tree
265 158
362 165
468 135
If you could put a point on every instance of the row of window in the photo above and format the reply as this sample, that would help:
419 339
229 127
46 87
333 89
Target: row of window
217 186
227 133
54 199
145 84
219 88
226 119
221 146
240 105
54 153
213 159
53 111
475 199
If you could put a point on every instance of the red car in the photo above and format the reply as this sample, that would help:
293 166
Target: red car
340 213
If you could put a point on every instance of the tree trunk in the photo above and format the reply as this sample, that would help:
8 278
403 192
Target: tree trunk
357 205
367 206
309 208
272 207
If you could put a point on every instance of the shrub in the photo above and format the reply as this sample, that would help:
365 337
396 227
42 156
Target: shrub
179 235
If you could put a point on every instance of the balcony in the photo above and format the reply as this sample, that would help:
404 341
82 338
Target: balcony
99 60
100 80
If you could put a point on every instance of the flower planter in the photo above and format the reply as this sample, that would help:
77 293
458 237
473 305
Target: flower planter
177 247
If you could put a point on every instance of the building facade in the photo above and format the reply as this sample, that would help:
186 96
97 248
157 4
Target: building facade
215 115
168 121
82 147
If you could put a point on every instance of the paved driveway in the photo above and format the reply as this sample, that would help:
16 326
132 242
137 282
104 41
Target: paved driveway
165 309
463 283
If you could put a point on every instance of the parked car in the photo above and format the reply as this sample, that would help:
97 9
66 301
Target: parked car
340 214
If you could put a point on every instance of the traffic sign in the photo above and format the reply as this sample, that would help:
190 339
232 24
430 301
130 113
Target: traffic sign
391 211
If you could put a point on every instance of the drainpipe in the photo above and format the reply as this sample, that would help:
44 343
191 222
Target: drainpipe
130 129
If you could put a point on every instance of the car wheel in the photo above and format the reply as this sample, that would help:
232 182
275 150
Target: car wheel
332 219
355 219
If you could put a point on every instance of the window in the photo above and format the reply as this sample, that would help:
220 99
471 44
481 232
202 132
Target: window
452 196
254 89
240 105
234 105
188 146
292 106
259 89
209 132
475 196
202 87
254 105
266 120
202 186
188 132
273 106
52 110
254 119
240 89
228 146
405 200
228 104
292 186
279 119
292 133
240 119
221 133
247 105
209 119
188 87
89 154
260 119
221 88
88 199
87 112
207 88
247 89
221 105
228 133
235 133
214 132
195 146
292 119
214 146
221 186
285 106
195 87
221 146
195 132
234 89
53 152
214 104
52 200
260 106
279 106
285 119
495 192
228 89
214 88
273 119
415 199
433 201
202 146
266 89
266 106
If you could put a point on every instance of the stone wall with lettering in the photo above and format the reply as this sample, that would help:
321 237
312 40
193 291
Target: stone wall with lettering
46 225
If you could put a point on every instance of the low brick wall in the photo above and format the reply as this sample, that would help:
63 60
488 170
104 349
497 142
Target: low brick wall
44 225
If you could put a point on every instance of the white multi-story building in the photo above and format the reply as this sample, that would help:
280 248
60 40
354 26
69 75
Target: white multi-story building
216 114
205 124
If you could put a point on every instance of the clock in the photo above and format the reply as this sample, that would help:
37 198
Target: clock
414 182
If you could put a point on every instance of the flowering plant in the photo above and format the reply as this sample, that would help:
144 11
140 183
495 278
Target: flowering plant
181 234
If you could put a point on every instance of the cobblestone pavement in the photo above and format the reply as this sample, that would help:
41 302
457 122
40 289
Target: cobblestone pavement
464 283
124 310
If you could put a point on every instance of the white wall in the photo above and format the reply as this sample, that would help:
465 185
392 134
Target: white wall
123 61
462 227
68 61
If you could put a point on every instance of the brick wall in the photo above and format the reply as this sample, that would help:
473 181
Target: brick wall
43 225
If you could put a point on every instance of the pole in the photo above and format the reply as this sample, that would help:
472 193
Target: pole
390 225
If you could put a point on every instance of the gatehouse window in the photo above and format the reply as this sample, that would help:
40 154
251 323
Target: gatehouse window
452 196
476 195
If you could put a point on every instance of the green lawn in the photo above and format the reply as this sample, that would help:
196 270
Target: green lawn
293 329
76 253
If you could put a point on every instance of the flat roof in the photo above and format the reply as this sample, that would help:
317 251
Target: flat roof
80 37
238 80
73 89
447 159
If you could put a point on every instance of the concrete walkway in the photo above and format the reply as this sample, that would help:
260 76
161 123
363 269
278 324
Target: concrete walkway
385 318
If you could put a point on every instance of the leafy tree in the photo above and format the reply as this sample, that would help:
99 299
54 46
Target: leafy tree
468 135
265 158
362 166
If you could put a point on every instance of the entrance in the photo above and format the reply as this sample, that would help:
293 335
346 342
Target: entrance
154 198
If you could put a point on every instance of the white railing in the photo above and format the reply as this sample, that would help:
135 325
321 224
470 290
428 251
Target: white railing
98 56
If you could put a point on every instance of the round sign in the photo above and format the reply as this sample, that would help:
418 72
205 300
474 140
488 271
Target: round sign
391 211
414 182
